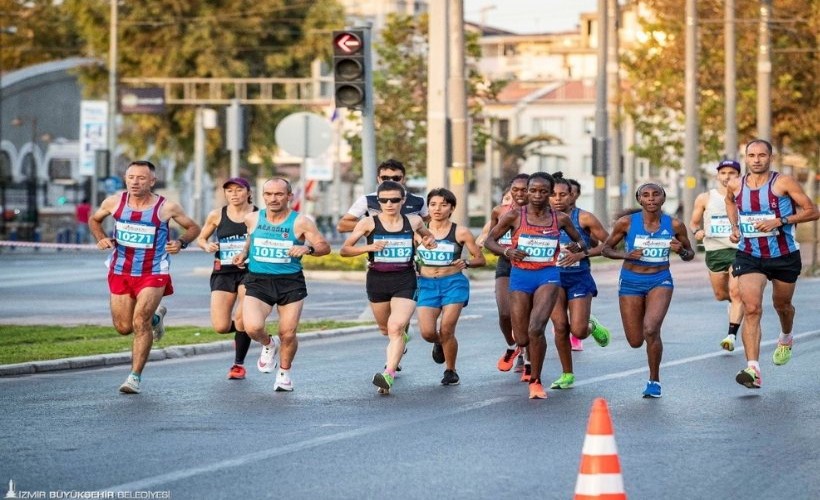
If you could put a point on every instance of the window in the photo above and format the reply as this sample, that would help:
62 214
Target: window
589 125
548 125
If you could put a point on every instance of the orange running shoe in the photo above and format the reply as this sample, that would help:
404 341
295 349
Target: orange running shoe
525 375
237 372
505 362
537 390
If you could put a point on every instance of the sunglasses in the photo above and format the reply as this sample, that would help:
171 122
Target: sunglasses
394 178
385 201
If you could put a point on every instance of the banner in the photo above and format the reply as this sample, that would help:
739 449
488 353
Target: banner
93 134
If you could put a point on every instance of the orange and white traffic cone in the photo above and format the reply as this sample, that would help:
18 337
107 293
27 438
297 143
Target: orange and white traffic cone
599 476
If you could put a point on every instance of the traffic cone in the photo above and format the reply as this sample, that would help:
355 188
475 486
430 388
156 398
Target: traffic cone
600 474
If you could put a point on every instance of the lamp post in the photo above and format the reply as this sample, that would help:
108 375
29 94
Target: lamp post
4 30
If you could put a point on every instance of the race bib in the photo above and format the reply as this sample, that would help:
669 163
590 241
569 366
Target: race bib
443 255
271 251
135 234
538 248
748 221
562 254
506 238
229 248
398 250
655 250
719 227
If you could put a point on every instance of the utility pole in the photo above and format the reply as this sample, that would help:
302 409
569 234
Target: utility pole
764 74
614 83
730 92
457 99
368 116
690 153
437 65
599 142
112 102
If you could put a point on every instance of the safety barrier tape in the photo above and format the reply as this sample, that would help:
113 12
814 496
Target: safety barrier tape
59 246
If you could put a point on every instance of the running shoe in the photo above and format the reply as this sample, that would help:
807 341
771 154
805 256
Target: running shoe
237 372
450 378
505 362
157 323
525 375
384 381
782 353
575 343
537 390
269 357
519 364
131 385
728 344
599 332
749 377
565 381
438 353
283 382
406 337
653 389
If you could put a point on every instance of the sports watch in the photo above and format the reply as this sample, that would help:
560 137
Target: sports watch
784 220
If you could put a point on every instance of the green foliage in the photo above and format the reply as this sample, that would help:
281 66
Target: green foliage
656 69
335 262
207 39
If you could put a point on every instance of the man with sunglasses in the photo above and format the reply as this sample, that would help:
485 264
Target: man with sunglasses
368 205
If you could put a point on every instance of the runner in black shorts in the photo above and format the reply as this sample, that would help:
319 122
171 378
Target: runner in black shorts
227 288
391 277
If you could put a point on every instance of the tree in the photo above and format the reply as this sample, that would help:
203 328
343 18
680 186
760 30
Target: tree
203 38
516 151
400 86
655 68
35 31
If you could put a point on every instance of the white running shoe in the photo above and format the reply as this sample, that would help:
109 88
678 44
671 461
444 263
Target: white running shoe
283 382
158 329
269 357
131 385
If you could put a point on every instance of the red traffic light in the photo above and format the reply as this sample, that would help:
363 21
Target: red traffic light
347 42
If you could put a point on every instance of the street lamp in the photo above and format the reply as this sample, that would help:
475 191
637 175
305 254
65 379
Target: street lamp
4 30
31 185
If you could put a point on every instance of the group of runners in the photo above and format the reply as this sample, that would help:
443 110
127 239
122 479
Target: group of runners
416 258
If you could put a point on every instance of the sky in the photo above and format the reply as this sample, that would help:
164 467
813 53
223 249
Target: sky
529 16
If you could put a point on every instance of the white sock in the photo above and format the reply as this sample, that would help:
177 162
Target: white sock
511 347
785 338
754 364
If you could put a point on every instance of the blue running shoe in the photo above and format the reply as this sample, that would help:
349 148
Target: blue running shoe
653 389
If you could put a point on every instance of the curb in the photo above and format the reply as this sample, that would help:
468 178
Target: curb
170 352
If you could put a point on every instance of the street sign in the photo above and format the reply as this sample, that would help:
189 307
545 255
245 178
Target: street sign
306 135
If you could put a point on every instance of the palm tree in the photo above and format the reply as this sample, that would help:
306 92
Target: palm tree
514 152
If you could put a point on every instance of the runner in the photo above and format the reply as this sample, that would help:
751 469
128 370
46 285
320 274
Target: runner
443 289
139 268
534 278
711 225
227 280
278 239
571 316
391 278
518 198
575 192
646 285
763 207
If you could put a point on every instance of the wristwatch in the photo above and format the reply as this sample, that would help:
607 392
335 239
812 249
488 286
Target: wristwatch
784 220
182 244
311 250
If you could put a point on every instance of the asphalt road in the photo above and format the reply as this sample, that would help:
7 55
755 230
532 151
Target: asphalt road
194 434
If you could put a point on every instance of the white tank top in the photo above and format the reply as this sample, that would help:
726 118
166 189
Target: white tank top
716 224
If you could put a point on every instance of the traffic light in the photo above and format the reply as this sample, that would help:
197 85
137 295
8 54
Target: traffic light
349 68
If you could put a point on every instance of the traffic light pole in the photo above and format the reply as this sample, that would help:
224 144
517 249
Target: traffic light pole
368 117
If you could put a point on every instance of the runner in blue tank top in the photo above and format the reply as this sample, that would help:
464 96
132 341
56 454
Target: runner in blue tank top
645 286
764 208
391 279
443 288
139 274
278 239
227 279
571 315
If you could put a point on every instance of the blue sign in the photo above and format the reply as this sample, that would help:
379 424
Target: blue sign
113 184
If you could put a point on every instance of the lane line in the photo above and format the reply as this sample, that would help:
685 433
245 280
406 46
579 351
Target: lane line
243 460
